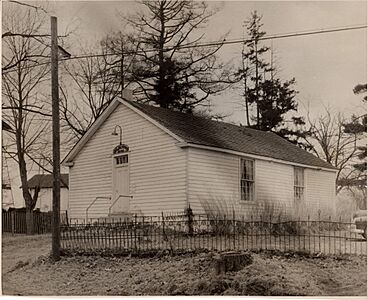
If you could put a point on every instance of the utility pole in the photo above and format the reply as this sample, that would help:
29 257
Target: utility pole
122 70
55 142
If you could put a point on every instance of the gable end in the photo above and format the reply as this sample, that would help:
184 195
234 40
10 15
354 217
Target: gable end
68 160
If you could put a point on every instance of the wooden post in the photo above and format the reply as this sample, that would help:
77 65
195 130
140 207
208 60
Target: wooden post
234 222
55 142
67 218
190 215
12 220
135 232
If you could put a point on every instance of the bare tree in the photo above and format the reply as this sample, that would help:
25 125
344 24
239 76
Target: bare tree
25 70
330 142
91 83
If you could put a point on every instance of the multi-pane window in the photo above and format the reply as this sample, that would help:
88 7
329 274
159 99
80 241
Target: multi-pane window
247 179
298 184
121 160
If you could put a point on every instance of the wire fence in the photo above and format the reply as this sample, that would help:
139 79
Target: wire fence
183 233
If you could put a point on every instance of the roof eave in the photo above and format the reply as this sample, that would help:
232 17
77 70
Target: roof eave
153 121
266 158
68 160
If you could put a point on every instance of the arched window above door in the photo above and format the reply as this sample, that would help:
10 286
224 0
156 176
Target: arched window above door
121 148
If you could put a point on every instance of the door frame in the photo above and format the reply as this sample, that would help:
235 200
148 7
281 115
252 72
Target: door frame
114 167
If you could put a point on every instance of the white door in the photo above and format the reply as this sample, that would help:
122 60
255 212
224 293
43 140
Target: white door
120 199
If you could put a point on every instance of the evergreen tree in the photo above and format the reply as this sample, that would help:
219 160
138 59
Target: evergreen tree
171 68
358 127
268 100
255 64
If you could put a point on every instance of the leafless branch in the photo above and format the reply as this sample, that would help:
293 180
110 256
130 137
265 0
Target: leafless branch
29 5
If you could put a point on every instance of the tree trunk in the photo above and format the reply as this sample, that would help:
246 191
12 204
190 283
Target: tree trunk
245 70
162 71
29 221
256 85
20 142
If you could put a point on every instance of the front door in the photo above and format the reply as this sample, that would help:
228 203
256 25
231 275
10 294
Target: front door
120 199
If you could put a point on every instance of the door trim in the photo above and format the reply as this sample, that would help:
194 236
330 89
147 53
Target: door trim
115 166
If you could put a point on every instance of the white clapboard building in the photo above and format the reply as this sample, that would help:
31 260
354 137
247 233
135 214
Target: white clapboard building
158 160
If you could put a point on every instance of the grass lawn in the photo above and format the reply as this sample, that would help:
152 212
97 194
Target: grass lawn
27 270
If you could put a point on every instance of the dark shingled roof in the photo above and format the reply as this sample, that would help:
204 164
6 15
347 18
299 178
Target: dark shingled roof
45 181
201 131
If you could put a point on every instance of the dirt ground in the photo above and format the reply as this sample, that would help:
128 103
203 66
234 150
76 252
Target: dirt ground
26 270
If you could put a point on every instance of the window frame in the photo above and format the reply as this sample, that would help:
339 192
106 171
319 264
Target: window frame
297 187
241 180
120 155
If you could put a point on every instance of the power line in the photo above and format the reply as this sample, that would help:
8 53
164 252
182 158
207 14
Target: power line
214 43
228 42
292 34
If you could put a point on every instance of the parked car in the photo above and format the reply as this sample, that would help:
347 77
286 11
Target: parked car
360 221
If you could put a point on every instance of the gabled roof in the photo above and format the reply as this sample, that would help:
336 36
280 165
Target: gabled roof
45 181
194 130
202 131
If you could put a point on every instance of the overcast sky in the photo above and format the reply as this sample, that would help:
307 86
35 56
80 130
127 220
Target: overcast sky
326 66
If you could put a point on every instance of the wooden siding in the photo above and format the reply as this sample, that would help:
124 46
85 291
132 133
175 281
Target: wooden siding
44 201
156 164
275 185
214 179
320 191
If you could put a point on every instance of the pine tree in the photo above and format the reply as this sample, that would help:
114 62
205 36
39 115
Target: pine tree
358 127
268 100
255 64
171 68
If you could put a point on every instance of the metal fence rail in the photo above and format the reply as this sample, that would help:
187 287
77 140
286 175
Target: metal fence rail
186 233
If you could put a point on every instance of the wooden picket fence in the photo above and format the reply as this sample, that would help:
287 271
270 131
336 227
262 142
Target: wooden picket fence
14 221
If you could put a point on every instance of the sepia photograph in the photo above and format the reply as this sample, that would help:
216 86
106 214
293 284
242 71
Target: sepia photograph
184 148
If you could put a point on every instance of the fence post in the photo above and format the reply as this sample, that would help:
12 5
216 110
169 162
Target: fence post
163 227
189 213
279 231
234 228
135 232
300 229
67 218
261 228
270 232
226 233
251 231
308 224
319 230
309 229
339 230
329 234
12 220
